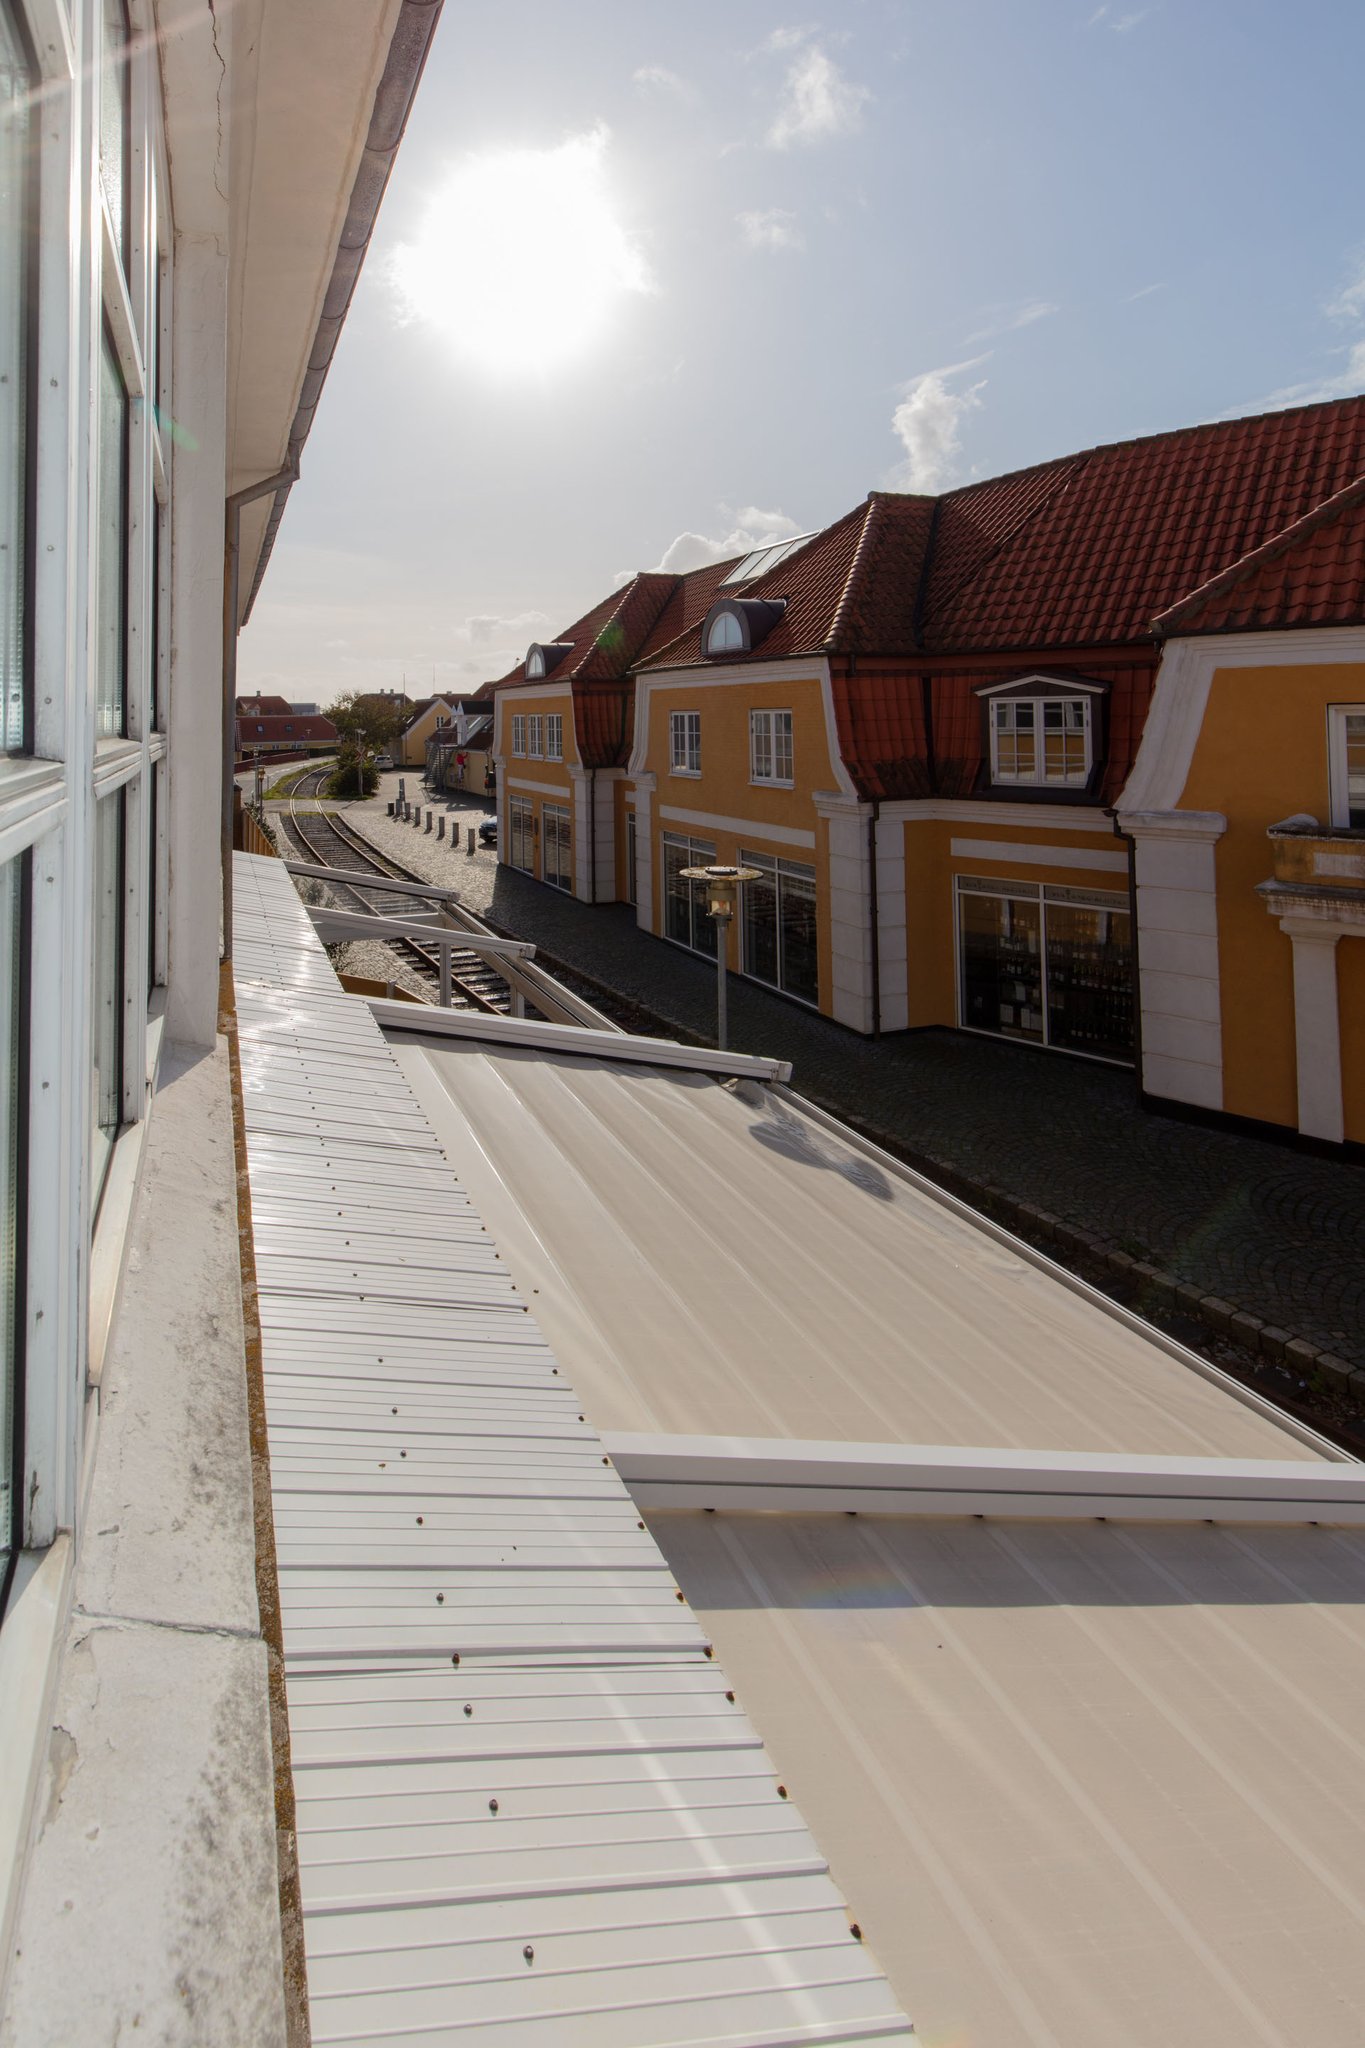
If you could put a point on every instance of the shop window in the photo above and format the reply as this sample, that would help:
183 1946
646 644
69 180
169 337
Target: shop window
521 834
1346 758
111 506
1052 966
632 857
770 747
556 857
779 926
518 734
13 881
16 283
687 921
108 985
554 736
684 742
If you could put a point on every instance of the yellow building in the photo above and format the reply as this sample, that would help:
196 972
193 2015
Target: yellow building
410 748
1247 812
919 724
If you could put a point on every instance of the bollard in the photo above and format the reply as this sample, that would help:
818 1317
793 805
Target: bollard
440 828
428 827
469 844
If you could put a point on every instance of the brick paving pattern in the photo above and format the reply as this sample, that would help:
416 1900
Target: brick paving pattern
1274 1232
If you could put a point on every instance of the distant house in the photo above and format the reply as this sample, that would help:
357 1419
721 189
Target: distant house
459 754
409 750
269 725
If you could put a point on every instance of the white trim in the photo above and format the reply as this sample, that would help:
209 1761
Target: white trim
1032 855
1176 714
706 821
789 1476
1317 1029
1048 686
575 1039
1179 983
29 1645
1044 817
560 791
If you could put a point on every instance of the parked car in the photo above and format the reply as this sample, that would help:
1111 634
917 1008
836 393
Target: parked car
488 832
383 761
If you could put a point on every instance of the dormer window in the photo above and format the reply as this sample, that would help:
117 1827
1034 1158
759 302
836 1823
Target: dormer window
544 656
1042 731
736 625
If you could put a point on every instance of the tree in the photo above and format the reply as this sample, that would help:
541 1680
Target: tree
366 725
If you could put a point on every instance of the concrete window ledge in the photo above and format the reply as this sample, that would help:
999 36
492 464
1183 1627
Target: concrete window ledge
149 1906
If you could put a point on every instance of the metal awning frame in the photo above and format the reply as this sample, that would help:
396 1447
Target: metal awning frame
576 1040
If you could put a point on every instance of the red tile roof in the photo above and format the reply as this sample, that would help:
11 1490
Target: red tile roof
272 730
1312 574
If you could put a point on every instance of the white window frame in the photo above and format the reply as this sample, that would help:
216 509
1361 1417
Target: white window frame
554 735
519 735
535 665
533 737
684 743
521 821
553 817
83 282
726 635
1339 790
1040 779
1059 895
766 734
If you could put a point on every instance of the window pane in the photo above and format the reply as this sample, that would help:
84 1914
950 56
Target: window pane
1090 980
760 919
114 122
1354 722
111 504
11 1065
800 958
782 745
108 986
686 917
1001 964
16 81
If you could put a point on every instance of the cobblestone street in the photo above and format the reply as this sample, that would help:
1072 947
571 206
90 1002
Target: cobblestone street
1273 1232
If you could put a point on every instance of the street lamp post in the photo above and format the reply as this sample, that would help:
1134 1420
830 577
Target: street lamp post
722 888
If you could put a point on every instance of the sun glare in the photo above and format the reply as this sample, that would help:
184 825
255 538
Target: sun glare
521 259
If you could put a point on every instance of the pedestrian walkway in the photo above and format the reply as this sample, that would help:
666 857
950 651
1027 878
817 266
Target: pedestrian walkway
1273 1232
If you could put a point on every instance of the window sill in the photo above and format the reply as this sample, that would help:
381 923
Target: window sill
769 782
686 774
32 797
30 1644
116 762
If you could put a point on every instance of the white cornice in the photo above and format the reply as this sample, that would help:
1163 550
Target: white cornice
1207 825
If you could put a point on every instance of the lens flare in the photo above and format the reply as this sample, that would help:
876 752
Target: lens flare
521 259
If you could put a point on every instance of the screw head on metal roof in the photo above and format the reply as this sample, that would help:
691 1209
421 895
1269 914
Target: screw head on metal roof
419 1521
855 1930
529 1953
440 1599
455 1658
781 1791
730 1696
468 1709
492 1806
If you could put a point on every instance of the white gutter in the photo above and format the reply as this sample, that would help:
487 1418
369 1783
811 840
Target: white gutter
773 1473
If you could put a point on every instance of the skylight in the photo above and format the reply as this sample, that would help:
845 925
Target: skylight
761 560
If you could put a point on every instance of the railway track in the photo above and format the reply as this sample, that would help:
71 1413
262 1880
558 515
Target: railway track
330 842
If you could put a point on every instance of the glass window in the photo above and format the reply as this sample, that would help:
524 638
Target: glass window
114 119
16 83
779 917
108 986
518 733
1346 733
533 737
555 828
1054 966
521 833
684 742
554 736
770 746
12 892
535 663
726 635
111 509
686 918
1041 740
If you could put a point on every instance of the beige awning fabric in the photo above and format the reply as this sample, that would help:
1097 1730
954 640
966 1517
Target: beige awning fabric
711 1260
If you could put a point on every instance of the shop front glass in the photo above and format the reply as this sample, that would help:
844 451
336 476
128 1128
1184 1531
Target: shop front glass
686 918
555 826
1053 966
779 926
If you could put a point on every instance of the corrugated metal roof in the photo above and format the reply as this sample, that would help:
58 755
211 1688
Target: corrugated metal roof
529 1810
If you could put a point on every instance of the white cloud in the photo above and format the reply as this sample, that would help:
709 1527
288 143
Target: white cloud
1345 384
482 627
1349 303
817 102
753 528
1005 319
1121 24
1145 292
658 78
929 420
774 228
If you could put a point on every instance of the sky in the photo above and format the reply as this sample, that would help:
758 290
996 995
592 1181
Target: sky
654 282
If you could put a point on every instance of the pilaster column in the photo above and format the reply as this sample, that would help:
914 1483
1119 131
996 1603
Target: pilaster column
1177 947
850 909
645 784
1317 1028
